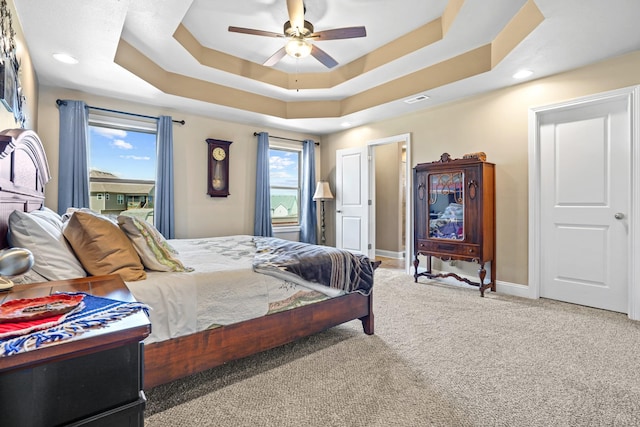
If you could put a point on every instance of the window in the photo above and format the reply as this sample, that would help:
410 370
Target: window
122 161
284 179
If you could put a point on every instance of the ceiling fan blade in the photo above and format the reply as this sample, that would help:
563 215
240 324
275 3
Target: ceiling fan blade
296 13
323 57
275 58
254 32
340 33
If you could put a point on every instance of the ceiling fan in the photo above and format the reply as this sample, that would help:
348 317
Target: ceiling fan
300 35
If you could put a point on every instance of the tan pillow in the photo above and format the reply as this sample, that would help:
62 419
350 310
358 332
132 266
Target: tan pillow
102 247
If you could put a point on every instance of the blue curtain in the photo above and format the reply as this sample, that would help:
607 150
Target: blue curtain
308 217
73 173
163 203
262 225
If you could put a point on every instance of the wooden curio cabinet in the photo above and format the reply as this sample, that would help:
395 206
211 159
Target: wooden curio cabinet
455 215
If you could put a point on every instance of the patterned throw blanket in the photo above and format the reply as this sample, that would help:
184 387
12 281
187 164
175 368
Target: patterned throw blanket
335 268
94 312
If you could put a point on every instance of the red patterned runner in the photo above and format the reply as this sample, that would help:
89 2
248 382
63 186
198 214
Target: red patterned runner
22 316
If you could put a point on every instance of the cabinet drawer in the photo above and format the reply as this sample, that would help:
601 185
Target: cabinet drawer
448 248
128 415
71 389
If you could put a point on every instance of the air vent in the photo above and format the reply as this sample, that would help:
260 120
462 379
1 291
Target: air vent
416 99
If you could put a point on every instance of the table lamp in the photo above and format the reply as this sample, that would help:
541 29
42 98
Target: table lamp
323 192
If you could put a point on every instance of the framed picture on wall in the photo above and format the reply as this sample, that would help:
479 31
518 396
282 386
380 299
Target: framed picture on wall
8 85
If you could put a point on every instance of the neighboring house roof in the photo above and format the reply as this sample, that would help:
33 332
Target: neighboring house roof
287 202
106 182
95 173
120 187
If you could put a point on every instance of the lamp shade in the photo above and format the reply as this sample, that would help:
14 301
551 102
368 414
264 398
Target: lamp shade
323 192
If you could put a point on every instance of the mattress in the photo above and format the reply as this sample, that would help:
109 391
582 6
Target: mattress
222 289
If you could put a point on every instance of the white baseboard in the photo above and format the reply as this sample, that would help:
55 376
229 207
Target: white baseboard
515 289
390 254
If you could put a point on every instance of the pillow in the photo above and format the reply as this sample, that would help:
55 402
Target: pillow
53 257
102 247
50 216
70 211
28 278
141 223
155 252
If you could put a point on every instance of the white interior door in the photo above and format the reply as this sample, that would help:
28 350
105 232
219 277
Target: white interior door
585 184
352 200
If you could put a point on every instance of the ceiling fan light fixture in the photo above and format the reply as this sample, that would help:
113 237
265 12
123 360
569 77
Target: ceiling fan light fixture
298 48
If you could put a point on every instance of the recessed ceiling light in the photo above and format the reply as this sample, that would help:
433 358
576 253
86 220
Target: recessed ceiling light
65 58
522 74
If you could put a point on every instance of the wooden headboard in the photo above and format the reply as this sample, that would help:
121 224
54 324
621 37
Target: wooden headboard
24 172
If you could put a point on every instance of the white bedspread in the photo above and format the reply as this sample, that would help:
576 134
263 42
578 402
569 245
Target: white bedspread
222 289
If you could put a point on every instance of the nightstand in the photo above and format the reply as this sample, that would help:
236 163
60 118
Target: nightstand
92 380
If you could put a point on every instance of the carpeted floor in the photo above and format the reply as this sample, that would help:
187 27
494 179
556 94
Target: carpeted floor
441 356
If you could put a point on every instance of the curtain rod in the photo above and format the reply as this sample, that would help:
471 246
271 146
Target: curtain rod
286 139
61 102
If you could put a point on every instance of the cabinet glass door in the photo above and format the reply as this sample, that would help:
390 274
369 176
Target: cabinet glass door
446 205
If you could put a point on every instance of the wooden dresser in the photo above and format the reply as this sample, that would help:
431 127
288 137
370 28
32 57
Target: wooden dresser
92 380
455 216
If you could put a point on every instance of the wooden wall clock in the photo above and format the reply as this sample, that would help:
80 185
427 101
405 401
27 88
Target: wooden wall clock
218 167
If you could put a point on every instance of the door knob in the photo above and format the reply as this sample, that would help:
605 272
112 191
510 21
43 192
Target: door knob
339 211
618 215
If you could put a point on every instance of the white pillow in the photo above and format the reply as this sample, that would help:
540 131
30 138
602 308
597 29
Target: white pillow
49 216
53 257
154 250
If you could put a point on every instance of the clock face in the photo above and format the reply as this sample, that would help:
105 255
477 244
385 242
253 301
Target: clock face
219 153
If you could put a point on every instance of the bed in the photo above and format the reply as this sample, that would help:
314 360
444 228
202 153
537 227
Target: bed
23 176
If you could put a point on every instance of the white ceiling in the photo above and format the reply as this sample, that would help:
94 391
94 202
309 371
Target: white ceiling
574 33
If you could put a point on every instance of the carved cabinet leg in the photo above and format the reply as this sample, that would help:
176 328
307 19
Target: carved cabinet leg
482 273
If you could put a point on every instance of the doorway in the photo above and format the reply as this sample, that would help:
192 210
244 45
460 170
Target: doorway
390 211
356 199
583 237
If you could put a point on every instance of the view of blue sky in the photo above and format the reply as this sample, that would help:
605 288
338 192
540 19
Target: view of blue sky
283 168
126 154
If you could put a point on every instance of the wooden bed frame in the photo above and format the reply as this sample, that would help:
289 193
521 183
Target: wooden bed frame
24 173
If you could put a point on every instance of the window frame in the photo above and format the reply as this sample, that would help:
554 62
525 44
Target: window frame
296 148
127 124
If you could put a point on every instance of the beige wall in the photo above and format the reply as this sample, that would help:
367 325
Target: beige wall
197 214
388 201
27 77
496 123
